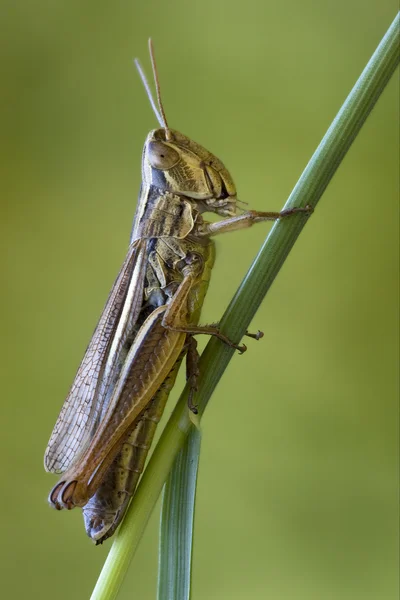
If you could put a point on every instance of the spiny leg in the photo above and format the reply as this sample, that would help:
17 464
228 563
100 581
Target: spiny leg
249 218
174 319
207 330
255 336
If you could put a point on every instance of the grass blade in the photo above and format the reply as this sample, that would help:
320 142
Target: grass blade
177 519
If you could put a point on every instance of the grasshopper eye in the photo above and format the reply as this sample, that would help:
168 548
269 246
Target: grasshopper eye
161 156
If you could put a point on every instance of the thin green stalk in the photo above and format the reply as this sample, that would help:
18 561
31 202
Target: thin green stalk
177 520
248 298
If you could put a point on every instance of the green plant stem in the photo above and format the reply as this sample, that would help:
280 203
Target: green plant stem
248 298
177 519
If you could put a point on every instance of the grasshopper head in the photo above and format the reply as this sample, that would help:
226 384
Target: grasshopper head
173 162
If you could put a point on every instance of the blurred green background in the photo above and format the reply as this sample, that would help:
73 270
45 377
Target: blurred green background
297 493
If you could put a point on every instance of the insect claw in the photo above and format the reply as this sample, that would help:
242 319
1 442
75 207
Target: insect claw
256 336
242 349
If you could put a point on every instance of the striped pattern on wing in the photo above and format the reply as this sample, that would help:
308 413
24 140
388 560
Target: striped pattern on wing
86 400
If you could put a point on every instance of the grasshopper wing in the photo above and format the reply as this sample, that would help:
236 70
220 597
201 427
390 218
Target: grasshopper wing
150 358
90 391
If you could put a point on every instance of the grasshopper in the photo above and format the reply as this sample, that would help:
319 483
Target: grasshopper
101 438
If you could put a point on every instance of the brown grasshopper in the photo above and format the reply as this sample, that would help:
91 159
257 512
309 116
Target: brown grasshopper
107 423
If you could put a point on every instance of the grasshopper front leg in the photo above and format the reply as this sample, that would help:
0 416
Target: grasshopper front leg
247 219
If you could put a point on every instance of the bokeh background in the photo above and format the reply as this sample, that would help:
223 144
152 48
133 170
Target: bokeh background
297 493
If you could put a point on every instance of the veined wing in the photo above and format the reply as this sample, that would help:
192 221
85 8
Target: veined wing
89 393
149 360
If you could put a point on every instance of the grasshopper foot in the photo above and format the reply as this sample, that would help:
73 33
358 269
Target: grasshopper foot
241 349
308 209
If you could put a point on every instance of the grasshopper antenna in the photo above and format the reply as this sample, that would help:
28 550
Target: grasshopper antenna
158 91
158 111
